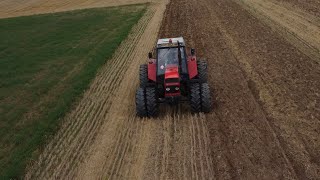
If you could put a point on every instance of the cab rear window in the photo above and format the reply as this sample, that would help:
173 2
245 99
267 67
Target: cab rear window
169 56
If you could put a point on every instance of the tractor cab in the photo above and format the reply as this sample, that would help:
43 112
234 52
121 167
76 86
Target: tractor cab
171 53
171 66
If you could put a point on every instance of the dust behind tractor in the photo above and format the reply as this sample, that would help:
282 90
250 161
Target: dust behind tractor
172 77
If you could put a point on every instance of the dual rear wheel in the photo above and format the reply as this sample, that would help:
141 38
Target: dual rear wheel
147 105
200 98
146 102
143 75
202 71
146 97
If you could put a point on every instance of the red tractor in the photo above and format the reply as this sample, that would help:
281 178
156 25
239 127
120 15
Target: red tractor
172 77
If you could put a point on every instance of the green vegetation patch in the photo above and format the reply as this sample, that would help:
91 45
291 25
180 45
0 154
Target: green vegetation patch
46 62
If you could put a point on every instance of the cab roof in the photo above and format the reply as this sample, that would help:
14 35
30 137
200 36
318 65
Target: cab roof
166 42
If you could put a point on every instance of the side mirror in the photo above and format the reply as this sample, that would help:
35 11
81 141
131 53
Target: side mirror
150 55
193 51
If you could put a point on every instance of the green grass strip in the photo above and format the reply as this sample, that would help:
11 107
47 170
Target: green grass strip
46 63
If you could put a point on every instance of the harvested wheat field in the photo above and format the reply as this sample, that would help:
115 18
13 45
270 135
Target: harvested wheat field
13 8
264 70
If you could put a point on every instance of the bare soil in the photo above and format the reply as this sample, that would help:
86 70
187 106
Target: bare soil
266 88
266 120
312 6
299 27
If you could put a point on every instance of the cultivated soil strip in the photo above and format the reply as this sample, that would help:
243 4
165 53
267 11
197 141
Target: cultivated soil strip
265 124
299 27
310 6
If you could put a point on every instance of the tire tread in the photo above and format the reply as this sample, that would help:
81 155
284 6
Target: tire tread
195 101
151 102
202 71
205 98
141 103
143 75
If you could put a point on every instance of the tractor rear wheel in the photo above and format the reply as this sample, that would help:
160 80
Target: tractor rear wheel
141 108
205 98
151 102
195 99
202 71
143 71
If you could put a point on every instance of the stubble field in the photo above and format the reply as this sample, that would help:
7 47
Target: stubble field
264 72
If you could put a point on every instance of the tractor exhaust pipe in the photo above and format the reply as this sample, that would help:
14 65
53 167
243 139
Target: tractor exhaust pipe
179 57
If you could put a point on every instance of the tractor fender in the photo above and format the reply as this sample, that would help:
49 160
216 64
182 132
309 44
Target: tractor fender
192 67
152 70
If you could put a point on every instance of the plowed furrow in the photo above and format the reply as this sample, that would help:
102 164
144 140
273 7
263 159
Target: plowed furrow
167 123
258 80
193 152
207 146
249 72
301 29
201 154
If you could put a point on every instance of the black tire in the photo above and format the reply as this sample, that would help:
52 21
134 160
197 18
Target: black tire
195 99
151 102
205 98
143 71
202 71
141 108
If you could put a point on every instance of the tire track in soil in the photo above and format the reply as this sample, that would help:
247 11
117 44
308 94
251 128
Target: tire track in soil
178 148
83 123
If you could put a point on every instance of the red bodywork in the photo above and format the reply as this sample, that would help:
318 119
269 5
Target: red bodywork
172 75
152 70
192 67
172 80
172 72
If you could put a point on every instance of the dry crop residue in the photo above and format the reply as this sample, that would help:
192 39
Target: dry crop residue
13 8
